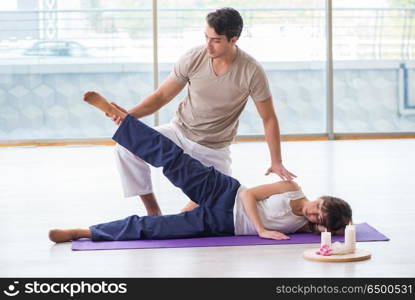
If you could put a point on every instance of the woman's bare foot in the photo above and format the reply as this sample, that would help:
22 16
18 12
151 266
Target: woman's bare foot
101 103
66 235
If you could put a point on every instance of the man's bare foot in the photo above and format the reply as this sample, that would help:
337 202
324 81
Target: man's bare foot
151 205
190 206
101 103
66 235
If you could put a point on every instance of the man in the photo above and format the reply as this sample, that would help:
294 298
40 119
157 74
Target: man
219 77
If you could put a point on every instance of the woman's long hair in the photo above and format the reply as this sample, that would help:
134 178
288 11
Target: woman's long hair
337 213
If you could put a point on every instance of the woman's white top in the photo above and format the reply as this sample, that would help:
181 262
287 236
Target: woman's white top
275 213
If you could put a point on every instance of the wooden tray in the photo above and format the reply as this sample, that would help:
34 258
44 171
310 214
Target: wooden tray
358 255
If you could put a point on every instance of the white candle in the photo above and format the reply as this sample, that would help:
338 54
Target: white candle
350 238
325 238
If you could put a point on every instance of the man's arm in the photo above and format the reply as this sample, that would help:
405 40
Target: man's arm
160 97
272 136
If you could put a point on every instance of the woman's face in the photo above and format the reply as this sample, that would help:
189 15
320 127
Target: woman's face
312 211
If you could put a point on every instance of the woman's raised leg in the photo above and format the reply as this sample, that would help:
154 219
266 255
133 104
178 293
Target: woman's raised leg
196 180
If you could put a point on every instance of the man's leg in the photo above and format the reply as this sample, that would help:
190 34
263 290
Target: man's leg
135 178
151 204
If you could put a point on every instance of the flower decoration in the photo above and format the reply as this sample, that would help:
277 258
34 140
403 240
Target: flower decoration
325 250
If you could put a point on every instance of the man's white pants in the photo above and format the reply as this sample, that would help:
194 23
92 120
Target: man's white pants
136 175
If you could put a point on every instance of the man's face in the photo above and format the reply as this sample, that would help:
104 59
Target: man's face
217 45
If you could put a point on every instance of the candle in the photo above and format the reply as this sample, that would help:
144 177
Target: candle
350 238
325 238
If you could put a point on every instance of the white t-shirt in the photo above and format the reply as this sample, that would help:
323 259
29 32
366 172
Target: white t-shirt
275 213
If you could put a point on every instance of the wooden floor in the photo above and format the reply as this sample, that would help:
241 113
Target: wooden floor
62 187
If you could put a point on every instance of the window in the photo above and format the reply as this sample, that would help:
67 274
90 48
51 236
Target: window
373 52
286 37
51 52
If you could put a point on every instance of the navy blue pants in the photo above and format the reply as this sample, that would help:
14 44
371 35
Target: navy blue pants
213 191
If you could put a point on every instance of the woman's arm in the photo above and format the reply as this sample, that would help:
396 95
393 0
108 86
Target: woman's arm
252 195
264 191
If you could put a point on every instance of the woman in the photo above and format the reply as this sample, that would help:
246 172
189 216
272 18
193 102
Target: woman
224 206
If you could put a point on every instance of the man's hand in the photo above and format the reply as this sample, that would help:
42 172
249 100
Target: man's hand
274 235
116 119
279 169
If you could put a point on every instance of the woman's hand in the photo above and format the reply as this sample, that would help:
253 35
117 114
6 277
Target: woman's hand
274 235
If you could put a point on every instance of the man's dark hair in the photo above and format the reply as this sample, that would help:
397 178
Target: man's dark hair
226 21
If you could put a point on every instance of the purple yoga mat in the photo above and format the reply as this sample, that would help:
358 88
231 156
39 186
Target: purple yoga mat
364 233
